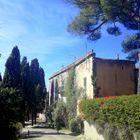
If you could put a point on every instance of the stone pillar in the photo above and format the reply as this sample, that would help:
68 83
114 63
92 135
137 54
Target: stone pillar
138 85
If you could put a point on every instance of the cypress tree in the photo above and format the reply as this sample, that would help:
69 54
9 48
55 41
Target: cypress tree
38 89
12 72
25 85
0 77
34 75
43 92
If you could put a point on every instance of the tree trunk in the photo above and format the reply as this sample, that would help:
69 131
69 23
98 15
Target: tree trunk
35 116
28 115
32 119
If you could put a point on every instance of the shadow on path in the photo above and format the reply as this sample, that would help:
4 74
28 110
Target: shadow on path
35 134
40 130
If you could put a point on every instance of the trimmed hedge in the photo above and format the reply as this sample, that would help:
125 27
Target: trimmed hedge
121 111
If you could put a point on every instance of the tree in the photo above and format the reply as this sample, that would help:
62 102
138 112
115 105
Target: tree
34 75
11 112
56 90
38 89
43 91
72 93
131 45
52 92
60 115
0 78
96 13
25 85
12 72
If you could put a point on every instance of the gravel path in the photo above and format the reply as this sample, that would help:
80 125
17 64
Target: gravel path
40 133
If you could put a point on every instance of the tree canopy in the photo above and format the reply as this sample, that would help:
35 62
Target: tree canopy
131 45
95 13
12 72
29 80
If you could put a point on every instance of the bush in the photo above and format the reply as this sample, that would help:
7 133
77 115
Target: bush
76 125
120 112
60 116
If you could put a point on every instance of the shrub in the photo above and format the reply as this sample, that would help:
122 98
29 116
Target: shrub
76 125
122 111
60 116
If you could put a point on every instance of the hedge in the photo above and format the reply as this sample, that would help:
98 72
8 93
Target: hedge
121 111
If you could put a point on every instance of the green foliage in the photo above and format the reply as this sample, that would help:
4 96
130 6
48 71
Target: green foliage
60 115
12 72
72 93
38 89
131 45
28 79
76 125
11 113
0 77
17 128
94 14
122 112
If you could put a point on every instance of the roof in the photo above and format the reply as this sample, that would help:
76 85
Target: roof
88 55
75 63
115 60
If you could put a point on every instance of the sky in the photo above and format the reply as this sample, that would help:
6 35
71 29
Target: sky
39 29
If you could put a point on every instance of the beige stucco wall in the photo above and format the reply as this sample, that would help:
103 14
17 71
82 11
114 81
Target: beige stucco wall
115 77
84 70
90 132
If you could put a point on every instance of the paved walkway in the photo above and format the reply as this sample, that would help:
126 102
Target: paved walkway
39 132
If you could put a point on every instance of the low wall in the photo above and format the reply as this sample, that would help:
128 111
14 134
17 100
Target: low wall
106 132
90 132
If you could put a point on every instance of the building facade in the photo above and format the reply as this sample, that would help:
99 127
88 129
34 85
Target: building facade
97 77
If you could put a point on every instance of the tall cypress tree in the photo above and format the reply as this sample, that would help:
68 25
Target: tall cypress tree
34 75
12 72
25 85
0 77
43 92
38 89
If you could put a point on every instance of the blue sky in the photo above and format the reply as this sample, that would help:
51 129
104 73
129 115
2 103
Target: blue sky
39 29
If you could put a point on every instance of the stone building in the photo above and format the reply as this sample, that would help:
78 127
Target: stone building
97 77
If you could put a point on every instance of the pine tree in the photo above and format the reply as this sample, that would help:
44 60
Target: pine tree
12 72
94 14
